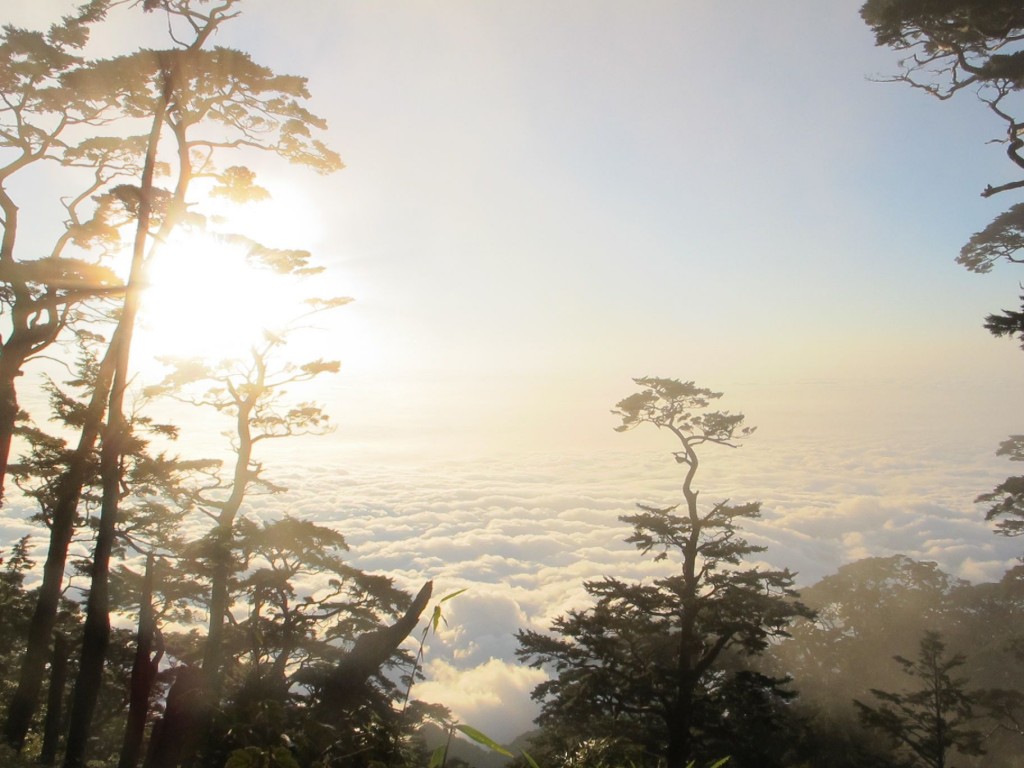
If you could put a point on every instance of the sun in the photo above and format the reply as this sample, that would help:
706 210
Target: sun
207 297
215 297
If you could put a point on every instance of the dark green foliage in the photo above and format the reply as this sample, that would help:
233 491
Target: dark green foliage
935 25
952 44
15 607
874 608
935 717
643 666
1002 239
750 718
1006 500
1009 323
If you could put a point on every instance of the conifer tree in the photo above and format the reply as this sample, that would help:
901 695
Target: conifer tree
207 102
639 664
936 717
42 119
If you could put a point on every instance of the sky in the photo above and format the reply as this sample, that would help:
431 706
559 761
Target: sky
543 200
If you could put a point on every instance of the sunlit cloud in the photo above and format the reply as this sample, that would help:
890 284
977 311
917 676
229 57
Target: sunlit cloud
521 535
482 695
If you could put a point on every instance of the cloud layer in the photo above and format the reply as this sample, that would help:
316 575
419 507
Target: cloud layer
522 533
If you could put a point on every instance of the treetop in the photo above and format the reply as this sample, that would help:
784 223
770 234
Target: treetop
678 405
942 23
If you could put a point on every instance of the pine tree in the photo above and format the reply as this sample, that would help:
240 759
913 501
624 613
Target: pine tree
933 719
641 664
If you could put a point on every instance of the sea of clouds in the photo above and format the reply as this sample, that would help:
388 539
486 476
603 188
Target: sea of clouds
522 530
521 533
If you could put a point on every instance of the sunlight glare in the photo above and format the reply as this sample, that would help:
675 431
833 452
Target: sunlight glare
205 298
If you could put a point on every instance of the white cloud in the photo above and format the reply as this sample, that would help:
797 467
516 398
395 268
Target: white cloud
522 533
488 696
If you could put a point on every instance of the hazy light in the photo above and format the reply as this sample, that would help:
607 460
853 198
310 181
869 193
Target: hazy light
206 298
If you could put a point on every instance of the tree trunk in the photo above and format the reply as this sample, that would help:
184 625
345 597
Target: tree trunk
143 674
213 660
680 725
10 364
55 700
44 616
96 632
213 653
344 684
10 368
177 732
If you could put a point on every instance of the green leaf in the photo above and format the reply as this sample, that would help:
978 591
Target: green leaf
244 758
283 758
481 738
529 760
437 618
446 598
437 757
720 763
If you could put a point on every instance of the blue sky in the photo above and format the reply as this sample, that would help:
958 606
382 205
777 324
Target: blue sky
542 200
545 199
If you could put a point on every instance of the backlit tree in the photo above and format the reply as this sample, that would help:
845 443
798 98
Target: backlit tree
644 663
936 717
977 46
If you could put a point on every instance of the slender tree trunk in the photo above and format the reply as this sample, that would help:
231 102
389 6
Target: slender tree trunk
680 738
213 653
96 632
213 657
62 524
143 674
10 368
220 598
55 700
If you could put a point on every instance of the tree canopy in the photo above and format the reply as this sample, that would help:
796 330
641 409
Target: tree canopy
644 662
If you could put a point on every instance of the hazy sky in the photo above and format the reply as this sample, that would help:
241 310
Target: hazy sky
545 199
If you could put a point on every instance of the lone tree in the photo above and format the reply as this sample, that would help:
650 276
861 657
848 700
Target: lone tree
642 665
933 719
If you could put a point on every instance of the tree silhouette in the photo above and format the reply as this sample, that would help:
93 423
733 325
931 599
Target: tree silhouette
205 102
640 664
39 116
950 46
251 394
934 718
